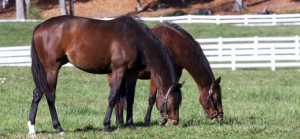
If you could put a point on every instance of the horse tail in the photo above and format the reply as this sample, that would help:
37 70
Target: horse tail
38 72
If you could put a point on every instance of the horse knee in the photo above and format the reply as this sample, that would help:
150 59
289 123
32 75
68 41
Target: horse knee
152 99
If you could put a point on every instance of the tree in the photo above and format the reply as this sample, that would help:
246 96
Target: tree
63 8
71 7
20 9
238 5
139 7
28 3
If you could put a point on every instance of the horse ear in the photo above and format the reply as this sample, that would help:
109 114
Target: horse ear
218 80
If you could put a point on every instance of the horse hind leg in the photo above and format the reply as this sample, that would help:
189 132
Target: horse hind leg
118 107
37 96
52 74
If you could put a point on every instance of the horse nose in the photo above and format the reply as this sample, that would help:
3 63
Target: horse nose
220 118
213 119
171 122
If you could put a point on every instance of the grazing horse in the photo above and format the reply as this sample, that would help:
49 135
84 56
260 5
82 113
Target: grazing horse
123 46
185 53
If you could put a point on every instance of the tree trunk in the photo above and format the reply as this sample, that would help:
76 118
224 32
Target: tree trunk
63 8
139 7
28 3
159 4
20 9
238 5
71 8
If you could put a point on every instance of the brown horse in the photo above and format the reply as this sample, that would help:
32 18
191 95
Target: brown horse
186 53
123 46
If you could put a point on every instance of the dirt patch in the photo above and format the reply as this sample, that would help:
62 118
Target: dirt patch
114 8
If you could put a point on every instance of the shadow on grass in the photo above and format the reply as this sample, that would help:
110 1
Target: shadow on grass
91 128
144 124
225 121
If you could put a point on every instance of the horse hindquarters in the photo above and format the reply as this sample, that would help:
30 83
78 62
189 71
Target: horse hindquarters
45 82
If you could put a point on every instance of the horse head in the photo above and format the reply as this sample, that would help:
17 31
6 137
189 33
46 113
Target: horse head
168 104
211 101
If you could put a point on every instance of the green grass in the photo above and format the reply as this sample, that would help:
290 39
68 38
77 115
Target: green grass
257 104
14 34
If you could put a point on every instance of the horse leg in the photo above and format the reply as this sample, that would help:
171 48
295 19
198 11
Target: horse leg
37 96
118 107
52 80
130 83
152 97
117 79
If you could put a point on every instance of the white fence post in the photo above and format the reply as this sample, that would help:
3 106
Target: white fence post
273 58
220 46
233 62
160 19
297 47
217 20
274 19
189 19
246 19
255 46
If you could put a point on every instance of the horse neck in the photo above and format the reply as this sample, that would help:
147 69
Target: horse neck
162 70
164 77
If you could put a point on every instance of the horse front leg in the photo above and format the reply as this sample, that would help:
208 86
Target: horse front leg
116 81
152 98
130 83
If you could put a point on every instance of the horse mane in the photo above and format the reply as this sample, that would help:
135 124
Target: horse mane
200 55
153 36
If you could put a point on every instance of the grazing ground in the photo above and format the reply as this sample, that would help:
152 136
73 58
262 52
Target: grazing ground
15 34
257 104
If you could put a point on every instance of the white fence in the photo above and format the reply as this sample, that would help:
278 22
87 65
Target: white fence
274 19
255 52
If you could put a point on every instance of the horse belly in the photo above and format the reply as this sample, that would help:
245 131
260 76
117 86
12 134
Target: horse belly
90 63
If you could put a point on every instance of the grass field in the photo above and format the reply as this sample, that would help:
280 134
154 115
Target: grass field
14 34
257 104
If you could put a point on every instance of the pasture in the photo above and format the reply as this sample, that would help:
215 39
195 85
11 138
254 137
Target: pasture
257 103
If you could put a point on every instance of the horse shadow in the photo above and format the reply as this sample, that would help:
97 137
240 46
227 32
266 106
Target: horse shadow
225 121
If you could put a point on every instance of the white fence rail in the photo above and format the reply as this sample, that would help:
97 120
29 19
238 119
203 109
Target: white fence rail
255 52
273 19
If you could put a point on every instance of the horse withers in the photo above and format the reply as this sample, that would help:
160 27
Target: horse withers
187 54
123 46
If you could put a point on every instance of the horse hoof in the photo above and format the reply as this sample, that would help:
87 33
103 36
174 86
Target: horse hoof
107 129
147 122
62 133
32 135
132 127
120 123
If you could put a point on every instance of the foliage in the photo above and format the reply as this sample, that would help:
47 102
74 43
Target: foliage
34 12
257 104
